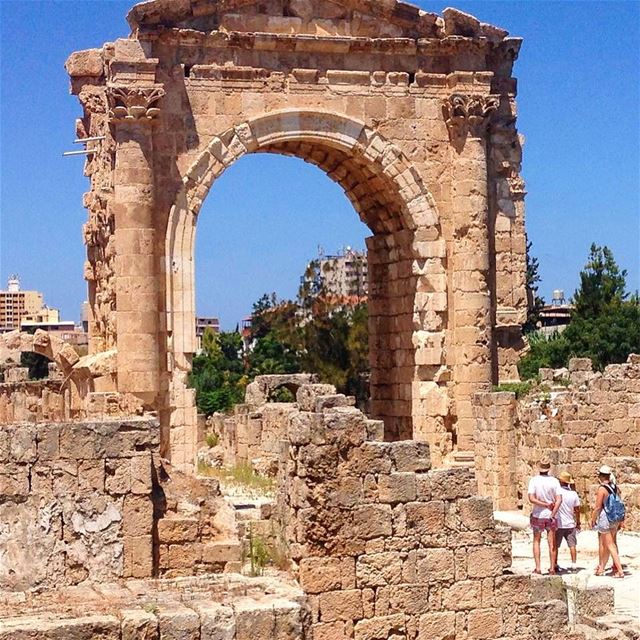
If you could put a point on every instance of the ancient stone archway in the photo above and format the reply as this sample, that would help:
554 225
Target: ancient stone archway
413 114
389 197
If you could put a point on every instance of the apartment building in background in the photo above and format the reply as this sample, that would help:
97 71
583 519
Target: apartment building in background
18 306
342 276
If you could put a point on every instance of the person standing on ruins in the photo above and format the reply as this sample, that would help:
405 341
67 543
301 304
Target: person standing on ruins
606 518
544 494
568 517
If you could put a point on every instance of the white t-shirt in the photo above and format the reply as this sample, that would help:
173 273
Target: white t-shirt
544 488
566 516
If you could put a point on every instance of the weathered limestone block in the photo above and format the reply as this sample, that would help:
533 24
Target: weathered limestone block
178 623
254 620
476 513
485 623
89 627
85 63
138 624
397 487
380 627
318 575
341 605
175 530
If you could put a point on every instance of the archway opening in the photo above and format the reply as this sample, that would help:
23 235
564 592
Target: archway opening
280 282
406 270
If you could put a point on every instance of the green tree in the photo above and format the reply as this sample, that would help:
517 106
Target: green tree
37 364
270 356
218 374
260 317
546 351
534 301
602 284
326 338
610 336
605 325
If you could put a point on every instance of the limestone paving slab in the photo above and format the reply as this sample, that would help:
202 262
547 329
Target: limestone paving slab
626 591
203 607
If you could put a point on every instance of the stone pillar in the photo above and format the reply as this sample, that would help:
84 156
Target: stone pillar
132 111
467 118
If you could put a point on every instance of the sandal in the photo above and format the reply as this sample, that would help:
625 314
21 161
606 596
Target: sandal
536 572
599 572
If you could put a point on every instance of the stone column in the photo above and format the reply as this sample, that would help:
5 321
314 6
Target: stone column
467 117
132 111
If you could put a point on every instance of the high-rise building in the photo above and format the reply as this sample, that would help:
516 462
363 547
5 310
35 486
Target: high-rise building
342 276
204 322
17 305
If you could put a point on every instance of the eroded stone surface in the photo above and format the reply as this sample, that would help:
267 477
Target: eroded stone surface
411 113
591 422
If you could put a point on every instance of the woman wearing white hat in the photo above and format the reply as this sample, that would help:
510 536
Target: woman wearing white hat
606 524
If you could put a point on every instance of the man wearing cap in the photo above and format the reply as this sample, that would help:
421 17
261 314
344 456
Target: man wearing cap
544 495
568 516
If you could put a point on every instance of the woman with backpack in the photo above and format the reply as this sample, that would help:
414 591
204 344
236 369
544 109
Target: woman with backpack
606 518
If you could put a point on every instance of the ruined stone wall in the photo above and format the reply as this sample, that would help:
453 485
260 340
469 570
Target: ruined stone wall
254 432
387 547
496 449
33 401
228 607
196 528
93 501
252 435
75 502
593 421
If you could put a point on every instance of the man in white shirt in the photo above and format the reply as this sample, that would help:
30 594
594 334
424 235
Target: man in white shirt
568 517
544 495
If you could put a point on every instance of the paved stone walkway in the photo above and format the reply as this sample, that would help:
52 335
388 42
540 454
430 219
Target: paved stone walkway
626 591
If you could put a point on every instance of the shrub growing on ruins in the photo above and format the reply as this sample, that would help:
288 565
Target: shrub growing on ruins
212 439
259 555
519 388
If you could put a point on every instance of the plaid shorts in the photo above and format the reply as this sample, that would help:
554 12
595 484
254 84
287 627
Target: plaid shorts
543 524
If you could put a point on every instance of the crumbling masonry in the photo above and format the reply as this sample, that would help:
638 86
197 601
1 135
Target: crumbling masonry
412 114
106 532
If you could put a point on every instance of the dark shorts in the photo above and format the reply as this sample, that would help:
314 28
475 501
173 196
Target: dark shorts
543 524
569 535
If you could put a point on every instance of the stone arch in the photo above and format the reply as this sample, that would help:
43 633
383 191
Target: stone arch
406 256
261 390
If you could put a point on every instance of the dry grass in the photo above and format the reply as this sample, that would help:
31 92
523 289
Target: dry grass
241 476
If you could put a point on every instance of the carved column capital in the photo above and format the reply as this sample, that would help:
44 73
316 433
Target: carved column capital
134 104
469 115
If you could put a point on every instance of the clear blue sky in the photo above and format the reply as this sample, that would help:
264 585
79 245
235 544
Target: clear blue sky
579 105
